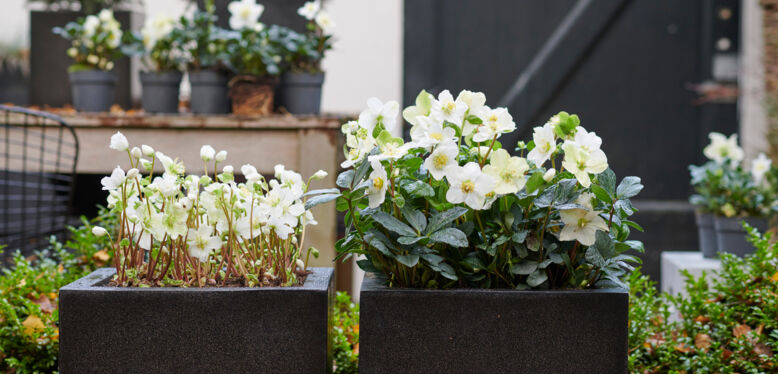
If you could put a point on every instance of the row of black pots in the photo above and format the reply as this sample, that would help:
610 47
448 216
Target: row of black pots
718 234
285 330
93 91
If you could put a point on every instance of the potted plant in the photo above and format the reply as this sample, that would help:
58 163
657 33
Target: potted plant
205 44
301 83
254 59
485 262
49 81
207 274
726 194
159 44
95 44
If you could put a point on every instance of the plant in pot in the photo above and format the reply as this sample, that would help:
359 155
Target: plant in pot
301 83
727 194
254 59
205 267
205 44
96 42
160 46
485 261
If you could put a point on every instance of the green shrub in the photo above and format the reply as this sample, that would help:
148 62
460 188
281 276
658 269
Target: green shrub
29 334
723 325
345 335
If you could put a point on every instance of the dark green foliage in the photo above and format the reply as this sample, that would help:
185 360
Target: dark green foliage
345 335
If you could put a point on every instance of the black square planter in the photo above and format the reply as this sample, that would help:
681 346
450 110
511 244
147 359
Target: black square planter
195 330
491 331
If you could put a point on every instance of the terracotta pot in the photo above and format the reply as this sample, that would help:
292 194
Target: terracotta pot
252 96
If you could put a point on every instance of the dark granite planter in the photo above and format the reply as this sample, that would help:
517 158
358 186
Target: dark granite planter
194 330
210 94
93 90
731 237
300 93
706 234
160 91
491 331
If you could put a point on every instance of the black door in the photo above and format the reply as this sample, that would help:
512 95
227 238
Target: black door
625 66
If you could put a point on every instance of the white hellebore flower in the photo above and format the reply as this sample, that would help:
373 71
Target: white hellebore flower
319 175
136 152
468 184
507 171
582 224
119 142
221 156
429 132
448 109
156 28
385 113
201 243
207 153
474 100
115 181
722 148
105 15
309 10
376 190
99 231
244 14
442 157
581 162
300 264
147 150
325 22
759 167
495 123
545 144
589 141
91 23
549 175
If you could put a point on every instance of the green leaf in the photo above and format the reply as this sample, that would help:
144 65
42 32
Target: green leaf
625 206
367 266
345 178
534 182
537 278
629 187
607 180
320 199
594 257
432 259
443 218
474 119
408 260
601 194
451 236
634 225
363 168
393 224
604 245
408 240
524 267
636 245
417 188
379 241
415 218
322 191
519 236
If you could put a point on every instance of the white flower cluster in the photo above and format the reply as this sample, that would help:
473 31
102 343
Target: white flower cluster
440 125
156 29
723 149
98 29
312 11
202 212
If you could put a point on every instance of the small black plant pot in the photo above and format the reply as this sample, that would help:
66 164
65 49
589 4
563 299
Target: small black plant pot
195 330
210 94
407 331
731 237
160 91
300 93
706 234
93 90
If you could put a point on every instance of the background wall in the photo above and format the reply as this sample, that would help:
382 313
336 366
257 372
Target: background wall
366 61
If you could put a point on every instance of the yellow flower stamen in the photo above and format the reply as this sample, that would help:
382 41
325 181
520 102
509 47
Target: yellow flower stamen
467 186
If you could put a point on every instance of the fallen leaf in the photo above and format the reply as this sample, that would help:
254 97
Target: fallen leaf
774 278
702 341
683 348
762 349
32 324
726 354
740 330
60 268
44 303
702 319
101 256
759 329
356 349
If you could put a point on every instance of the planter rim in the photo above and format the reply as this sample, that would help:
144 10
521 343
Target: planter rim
316 281
372 283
